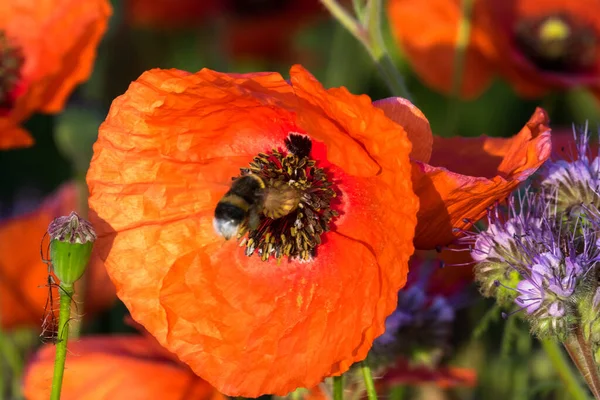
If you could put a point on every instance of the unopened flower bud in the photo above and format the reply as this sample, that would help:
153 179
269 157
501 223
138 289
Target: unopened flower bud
71 242
589 309
573 183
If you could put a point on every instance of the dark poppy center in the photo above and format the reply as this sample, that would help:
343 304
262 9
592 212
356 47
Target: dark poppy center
253 8
557 43
294 208
11 62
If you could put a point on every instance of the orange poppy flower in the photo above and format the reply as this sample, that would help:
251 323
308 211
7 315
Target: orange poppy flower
47 47
23 275
451 196
537 45
336 248
116 367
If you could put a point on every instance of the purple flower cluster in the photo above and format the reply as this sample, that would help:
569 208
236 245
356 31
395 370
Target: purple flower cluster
541 252
420 324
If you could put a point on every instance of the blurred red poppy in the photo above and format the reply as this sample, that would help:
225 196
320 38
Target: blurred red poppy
537 45
462 177
267 28
315 296
47 47
170 13
250 29
23 275
116 367
444 377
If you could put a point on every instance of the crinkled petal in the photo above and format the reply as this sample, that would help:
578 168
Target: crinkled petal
451 201
116 367
23 274
430 45
414 123
164 157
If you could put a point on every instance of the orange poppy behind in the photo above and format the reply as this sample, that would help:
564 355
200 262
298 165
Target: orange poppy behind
317 283
23 275
459 178
115 367
50 46
537 45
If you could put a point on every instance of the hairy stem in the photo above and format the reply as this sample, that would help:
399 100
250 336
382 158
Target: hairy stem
66 294
582 355
367 30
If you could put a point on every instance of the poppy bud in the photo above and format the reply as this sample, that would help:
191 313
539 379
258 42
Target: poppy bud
71 242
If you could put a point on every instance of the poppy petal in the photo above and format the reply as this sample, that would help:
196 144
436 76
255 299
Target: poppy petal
414 123
116 367
23 275
58 40
12 136
431 50
451 201
164 157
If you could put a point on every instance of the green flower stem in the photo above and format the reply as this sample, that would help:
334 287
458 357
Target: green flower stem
82 196
368 378
462 42
367 30
10 353
581 353
338 387
458 72
564 370
66 294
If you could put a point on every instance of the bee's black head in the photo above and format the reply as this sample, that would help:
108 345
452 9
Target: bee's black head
298 145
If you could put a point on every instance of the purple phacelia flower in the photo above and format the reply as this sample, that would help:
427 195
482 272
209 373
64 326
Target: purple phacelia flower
573 180
421 323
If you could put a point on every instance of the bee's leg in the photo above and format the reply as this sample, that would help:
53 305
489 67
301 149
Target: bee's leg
253 218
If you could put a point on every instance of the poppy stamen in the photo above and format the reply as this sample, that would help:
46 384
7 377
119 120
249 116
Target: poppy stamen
296 205
557 43
11 62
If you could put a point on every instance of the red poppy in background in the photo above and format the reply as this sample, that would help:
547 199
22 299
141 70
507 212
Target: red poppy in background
444 377
166 155
460 178
417 340
250 29
116 367
47 47
170 13
267 28
537 45
23 275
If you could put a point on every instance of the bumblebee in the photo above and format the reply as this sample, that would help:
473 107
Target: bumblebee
250 196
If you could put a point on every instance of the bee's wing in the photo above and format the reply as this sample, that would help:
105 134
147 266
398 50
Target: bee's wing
279 202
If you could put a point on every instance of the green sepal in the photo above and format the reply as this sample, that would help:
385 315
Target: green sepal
69 260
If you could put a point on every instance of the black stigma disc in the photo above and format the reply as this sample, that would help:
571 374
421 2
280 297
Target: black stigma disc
298 145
